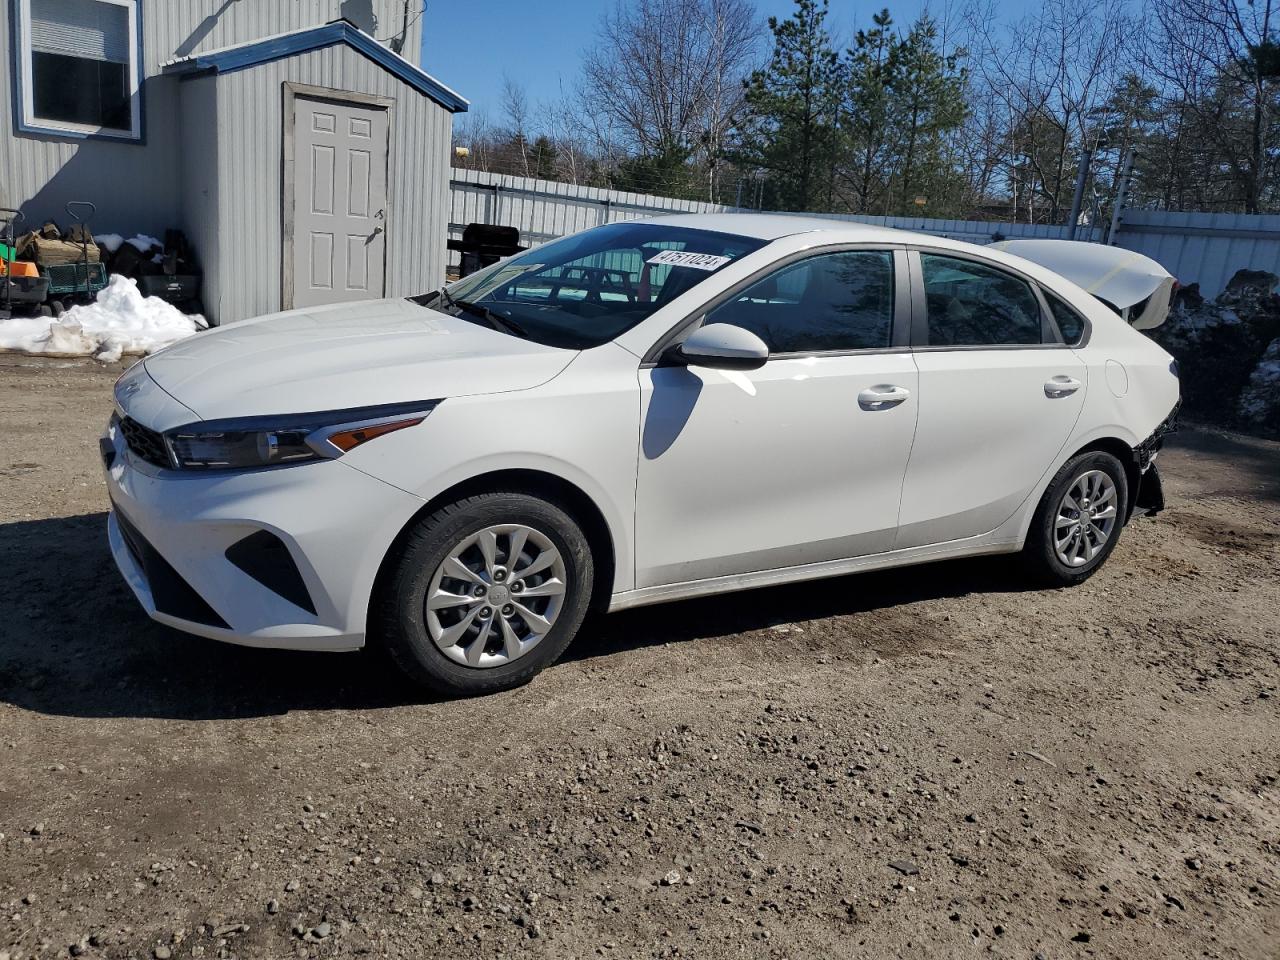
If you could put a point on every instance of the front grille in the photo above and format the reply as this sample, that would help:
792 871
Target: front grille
145 443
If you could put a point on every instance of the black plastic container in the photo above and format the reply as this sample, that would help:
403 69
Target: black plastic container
172 287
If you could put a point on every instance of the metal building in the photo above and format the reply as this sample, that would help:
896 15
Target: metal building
298 145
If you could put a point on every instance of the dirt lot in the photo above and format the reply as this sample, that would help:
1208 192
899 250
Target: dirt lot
929 762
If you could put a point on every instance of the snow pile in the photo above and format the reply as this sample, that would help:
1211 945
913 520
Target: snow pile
142 243
111 242
1218 343
1260 399
120 321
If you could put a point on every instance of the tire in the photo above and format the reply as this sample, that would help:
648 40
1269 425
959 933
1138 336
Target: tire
421 639
58 307
1041 552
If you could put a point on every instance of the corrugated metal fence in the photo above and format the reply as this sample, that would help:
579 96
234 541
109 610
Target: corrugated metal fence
1204 248
545 209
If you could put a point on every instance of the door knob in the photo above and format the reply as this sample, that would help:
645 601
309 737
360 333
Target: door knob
882 396
1061 386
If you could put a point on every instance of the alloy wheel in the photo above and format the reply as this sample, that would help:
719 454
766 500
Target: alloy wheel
1086 518
496 595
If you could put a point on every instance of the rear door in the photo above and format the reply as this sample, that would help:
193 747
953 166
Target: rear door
999 397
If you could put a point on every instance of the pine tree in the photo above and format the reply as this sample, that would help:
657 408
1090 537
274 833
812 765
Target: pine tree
927 104
873 71
790 130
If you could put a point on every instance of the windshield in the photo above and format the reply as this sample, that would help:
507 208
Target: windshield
587 289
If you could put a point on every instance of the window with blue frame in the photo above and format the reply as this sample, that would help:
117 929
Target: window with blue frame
79 67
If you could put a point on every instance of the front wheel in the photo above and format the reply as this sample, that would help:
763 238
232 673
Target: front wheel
484 593
1078 520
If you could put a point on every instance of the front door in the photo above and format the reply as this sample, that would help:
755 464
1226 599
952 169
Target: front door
339 201
797 462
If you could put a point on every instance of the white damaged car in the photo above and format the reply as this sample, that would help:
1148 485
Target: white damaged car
637 413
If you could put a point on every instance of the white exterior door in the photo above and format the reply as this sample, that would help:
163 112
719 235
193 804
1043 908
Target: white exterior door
339 201
795 462
997 402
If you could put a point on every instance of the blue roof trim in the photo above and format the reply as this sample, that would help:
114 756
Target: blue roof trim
304 41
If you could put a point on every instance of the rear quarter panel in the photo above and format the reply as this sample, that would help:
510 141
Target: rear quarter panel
1132 386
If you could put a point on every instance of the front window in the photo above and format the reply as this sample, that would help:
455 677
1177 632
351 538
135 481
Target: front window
589 288
79 70
830 303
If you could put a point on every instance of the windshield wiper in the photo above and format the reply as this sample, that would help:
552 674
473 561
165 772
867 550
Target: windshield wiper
495 320
426 299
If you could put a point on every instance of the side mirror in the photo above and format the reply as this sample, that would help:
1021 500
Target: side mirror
722 346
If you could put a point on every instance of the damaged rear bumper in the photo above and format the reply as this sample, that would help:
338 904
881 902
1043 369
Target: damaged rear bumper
1148 500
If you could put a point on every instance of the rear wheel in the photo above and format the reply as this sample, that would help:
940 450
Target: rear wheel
1078 520
485 593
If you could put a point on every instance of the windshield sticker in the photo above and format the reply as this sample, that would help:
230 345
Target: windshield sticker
698 261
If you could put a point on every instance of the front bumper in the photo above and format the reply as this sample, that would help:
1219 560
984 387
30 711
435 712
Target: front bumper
282 557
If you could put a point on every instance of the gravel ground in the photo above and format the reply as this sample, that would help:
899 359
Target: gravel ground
927 762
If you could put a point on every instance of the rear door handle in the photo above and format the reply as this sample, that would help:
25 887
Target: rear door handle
1061 386
882 396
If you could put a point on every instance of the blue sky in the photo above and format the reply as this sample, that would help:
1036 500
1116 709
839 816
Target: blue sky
469 44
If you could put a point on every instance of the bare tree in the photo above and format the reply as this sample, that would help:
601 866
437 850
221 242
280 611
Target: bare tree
664 78
474 134
1220 63
515 105
1049 74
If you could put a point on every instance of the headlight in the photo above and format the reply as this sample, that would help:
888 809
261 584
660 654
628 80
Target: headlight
249 443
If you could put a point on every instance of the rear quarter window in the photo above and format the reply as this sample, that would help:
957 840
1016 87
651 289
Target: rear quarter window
1069 321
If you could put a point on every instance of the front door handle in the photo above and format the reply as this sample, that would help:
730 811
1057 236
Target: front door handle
1061 386
882 396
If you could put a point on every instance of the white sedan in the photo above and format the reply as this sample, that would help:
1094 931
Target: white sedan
637 413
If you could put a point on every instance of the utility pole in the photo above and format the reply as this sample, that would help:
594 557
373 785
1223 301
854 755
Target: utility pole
1077 198
1126 171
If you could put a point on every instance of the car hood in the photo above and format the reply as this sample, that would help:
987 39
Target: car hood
346 355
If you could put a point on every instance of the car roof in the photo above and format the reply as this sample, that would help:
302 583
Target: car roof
831 230
772 226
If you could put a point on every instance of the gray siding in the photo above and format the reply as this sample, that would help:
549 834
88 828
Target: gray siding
39 174
250 148
136 185
198 178
179 28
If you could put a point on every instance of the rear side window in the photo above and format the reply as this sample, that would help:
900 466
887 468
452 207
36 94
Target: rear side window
836 301
1069 322
969 304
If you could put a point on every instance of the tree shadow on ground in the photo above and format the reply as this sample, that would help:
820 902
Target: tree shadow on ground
75 642
1223 464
